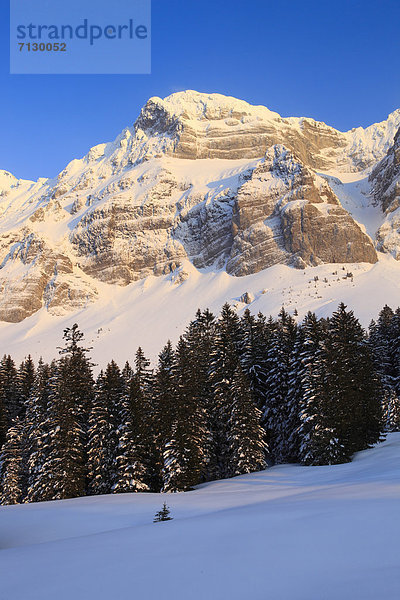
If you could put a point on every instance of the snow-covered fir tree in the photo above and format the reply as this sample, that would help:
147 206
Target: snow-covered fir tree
36 432
199 338
352 385
24 382
164 398
136 439
10 406
103 427
384 343
71 389
63 474
276 408
253 355
318 441
225 354
184 456
11 465
295 396
246 436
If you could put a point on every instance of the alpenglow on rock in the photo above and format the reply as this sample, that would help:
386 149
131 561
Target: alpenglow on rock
199 177
285 213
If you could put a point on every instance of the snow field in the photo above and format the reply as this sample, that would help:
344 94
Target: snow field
287 533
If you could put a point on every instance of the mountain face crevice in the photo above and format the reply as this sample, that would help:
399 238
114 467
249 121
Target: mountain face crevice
285 213
385 186
199 177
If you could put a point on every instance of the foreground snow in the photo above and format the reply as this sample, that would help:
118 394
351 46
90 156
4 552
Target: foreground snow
288 533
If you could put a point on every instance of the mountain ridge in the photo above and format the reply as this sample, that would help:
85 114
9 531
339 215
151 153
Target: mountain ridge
202 178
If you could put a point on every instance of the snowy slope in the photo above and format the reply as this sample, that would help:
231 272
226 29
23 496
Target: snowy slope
287 533
149 312
136 207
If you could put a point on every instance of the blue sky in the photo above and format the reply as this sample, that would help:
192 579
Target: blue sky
335 61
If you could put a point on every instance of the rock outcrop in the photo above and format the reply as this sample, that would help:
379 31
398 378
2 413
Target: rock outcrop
385 183
199 177
32 275
200 126
285 213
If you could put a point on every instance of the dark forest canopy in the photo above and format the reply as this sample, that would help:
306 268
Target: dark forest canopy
236 394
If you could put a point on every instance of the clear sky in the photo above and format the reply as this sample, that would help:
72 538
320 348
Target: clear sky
333 60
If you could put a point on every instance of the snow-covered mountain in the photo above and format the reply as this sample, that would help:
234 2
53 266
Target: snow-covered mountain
202 185
385 184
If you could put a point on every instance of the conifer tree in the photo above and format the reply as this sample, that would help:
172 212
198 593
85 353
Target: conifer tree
103 427
391 333
184 458
225 355
164 402
163 514
10 407
384 347
199 338
36 432
11 465
276 408
136 468
253 355
295 396
352 385
246 436
391 411
24 382
318 441
70 393
63 474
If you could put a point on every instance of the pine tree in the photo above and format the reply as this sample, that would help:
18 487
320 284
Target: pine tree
391 334
318 441
246 437
163 514
70 393
164 394
352 384
295 396
224 361
384 344
36 432
253 356
391 411
184 458
12 468
136 460
10 407
276 409
199 338
63 474
24 382
102 435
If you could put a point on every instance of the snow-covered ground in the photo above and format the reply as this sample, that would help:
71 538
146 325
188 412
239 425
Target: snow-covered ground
153 310
287 533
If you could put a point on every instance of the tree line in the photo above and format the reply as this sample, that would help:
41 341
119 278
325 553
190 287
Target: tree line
234 396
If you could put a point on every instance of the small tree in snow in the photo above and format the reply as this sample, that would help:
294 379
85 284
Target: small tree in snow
163 514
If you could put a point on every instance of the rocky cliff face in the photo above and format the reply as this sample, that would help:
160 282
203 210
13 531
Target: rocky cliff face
285 213
199 177
215 126
385 187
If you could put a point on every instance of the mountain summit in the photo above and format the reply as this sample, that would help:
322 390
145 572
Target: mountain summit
200 179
